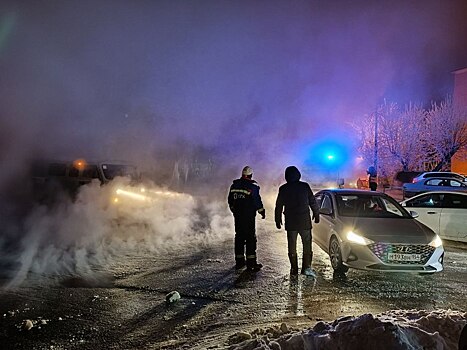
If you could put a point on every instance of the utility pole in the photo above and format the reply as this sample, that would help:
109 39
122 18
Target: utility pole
376 141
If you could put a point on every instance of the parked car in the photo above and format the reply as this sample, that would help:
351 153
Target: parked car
438 174
371 231
442 211
433 184
403 177
52 178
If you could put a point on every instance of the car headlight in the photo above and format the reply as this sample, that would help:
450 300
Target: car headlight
436 242
131 194
354 238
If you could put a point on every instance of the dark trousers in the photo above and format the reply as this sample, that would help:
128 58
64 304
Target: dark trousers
373 186
245 236
292 247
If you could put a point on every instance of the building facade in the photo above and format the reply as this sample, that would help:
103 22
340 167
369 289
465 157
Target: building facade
459 161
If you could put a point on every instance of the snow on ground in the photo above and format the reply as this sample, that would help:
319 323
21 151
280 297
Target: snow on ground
396 329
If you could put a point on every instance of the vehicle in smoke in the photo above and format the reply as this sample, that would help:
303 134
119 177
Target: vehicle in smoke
371 231
52 179
139 194
116 188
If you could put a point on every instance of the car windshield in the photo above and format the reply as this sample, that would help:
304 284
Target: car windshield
113 170
366 205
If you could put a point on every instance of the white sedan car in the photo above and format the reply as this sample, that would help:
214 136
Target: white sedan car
369 230
443 211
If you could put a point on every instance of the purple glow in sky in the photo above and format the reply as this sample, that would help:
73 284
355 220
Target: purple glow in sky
245 80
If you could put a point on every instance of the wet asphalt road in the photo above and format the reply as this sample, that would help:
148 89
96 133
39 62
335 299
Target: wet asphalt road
124 306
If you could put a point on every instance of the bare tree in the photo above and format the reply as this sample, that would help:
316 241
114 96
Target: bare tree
414 138
447 130
398 133
365 131
401 132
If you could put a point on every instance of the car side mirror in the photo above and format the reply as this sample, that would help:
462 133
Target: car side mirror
325 211
414 214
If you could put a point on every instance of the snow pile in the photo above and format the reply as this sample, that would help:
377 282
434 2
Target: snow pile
397 329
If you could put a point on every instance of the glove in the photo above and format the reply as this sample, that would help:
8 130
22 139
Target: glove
278 224
317 220
263 214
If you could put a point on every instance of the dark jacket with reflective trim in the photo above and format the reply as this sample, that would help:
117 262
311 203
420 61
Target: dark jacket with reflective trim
244 198
297 199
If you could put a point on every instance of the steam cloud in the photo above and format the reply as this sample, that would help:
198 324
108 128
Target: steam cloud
75 237
163 84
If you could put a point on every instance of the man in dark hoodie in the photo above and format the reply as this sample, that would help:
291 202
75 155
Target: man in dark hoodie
296 198
244 201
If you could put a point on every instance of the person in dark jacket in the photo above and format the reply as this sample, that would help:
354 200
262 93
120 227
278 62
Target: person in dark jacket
244 201
372 178
296 198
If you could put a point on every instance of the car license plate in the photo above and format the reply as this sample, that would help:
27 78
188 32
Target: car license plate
404 257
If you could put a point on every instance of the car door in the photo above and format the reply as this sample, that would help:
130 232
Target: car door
328 222
317 231
455 185
429 208
433 185
321 230
453 218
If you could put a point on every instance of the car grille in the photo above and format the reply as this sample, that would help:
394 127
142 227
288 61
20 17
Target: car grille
381 250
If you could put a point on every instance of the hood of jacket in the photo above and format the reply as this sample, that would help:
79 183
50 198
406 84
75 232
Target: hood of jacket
292 174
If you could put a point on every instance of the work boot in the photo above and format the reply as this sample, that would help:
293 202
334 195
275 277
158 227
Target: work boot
252 265
239 263
293 264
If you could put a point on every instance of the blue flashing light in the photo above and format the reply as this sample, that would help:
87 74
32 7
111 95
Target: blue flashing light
327 154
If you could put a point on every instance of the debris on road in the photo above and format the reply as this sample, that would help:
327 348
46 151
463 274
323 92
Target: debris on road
172 297
27 325
215 261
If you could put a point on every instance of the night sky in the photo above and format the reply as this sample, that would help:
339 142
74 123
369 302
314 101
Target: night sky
239 81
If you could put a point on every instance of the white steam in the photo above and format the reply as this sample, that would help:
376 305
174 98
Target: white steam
74 237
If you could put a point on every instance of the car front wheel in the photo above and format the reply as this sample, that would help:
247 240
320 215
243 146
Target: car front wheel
335 255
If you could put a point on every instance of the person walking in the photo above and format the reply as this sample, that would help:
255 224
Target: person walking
372 178
295 198
244 201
